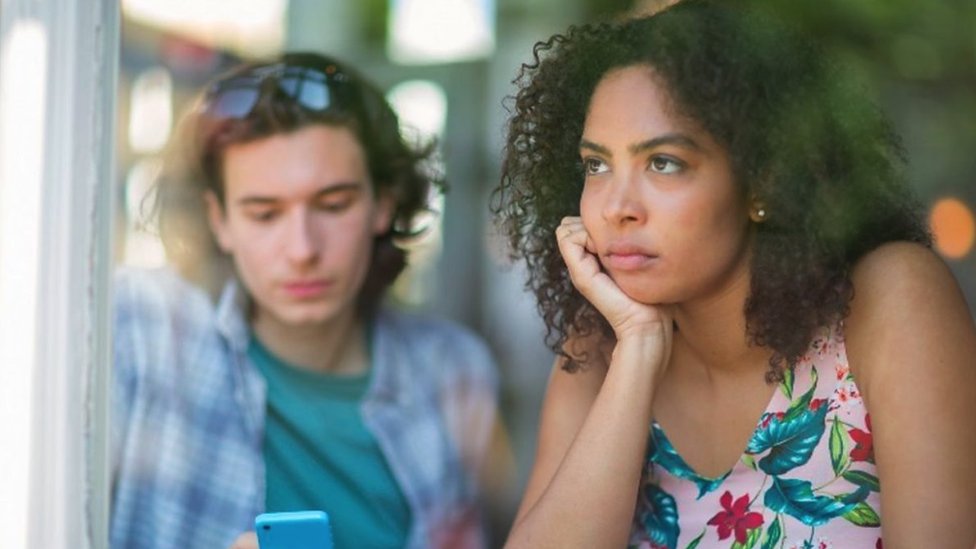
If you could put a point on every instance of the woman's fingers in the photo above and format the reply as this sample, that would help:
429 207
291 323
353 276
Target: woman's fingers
577 251
625 315
586 273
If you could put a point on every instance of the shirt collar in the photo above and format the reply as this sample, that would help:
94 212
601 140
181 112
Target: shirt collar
231 316
391 374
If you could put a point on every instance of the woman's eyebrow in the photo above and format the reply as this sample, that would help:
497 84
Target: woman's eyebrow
586 144
676 139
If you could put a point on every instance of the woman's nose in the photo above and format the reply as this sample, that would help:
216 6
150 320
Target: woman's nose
623 202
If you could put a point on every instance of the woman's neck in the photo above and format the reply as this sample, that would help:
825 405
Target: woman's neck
711 334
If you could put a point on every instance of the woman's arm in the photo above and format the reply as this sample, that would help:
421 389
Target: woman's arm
583 486
912 348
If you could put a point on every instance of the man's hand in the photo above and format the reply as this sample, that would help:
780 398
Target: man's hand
247 540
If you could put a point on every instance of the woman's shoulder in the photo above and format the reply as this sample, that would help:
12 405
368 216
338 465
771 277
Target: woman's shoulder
898 263
899 277
906 301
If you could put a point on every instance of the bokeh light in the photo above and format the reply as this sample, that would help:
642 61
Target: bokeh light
953 226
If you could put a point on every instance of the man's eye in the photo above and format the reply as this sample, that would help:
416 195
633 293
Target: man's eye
335 205
263 215
594 166
665 165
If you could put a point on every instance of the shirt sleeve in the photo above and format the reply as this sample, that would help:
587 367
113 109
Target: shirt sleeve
470 398
125 325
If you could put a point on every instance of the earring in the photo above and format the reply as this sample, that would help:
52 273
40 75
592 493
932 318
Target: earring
758 214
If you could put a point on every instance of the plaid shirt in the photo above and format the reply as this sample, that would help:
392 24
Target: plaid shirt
188 419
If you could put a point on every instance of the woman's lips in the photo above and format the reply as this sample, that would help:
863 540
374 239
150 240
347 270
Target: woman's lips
628 261
622 256
306 289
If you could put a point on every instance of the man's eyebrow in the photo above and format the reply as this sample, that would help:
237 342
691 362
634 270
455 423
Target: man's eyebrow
347 186
258 200
677 139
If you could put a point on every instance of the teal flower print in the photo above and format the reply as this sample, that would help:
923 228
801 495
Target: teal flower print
658 516
796 498
790 440
664 454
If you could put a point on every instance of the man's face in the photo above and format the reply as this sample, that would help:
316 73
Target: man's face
299 219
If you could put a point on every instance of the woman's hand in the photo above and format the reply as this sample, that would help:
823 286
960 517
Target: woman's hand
626 316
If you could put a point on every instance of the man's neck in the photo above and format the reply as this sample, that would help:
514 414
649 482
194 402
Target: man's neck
337 346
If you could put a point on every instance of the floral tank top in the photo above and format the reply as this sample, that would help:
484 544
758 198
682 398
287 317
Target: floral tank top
806 480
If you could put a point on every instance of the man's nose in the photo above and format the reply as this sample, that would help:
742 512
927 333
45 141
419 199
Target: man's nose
301 240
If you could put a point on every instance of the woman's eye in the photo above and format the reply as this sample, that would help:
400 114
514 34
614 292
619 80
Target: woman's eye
665 165
593 166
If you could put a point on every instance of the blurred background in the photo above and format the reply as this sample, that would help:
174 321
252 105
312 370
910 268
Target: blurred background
447 66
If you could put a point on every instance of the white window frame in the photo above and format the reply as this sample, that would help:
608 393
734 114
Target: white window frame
56 214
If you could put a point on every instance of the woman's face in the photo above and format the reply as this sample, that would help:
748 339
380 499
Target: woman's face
664 214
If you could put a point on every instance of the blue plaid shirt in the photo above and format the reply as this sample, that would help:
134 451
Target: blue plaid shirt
188 418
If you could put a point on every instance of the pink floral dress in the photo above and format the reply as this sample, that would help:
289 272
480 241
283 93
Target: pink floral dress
806 479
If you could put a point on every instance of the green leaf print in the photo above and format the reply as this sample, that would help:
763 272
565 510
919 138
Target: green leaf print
751 540
861 478
863 515
773 534
800 405
796 498
840 445
694 543
790 441
787 384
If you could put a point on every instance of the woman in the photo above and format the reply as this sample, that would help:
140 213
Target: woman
754 337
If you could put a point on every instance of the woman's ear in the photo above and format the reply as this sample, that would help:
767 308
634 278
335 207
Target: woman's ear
217 218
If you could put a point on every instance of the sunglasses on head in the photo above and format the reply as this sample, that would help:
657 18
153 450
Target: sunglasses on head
311 88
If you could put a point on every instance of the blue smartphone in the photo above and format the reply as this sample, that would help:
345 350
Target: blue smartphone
294 530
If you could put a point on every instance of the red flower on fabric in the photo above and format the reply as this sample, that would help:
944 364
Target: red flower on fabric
864 442
735 518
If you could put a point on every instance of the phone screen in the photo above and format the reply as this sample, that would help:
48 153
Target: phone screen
294 530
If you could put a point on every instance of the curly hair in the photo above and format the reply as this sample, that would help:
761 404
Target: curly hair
194 166
803 139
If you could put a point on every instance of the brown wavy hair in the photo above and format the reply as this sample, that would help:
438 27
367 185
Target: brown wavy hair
803 139
194 166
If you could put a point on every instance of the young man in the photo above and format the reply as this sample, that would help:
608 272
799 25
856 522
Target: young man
298 390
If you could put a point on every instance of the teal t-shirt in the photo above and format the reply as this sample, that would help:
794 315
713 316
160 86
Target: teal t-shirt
318 454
